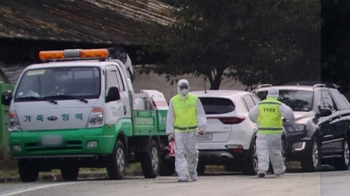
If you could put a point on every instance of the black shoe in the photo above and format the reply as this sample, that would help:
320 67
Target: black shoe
261 174
280 174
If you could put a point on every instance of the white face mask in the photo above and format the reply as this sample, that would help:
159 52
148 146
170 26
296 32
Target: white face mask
183 91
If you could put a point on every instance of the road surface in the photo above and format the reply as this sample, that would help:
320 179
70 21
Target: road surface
311 184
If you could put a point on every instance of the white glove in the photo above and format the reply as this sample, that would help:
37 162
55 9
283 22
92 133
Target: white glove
201 131
171 137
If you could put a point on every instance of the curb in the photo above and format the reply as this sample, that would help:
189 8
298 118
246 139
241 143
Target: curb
49 177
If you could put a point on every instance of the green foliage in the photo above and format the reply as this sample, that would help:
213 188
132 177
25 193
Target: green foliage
335 41
253 41
7 164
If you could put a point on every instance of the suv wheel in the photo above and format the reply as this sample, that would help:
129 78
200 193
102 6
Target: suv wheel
343 162
312 161
251 166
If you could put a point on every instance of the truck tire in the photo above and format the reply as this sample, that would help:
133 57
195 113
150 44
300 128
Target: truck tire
70 173
312 161
150 161
200 168
166 167
343 162
229 167
116 162
28 171
251 165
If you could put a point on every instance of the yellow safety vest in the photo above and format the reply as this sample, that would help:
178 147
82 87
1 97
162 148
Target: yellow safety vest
270 118
185 113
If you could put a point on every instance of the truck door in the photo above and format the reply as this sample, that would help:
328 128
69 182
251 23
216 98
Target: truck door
122 107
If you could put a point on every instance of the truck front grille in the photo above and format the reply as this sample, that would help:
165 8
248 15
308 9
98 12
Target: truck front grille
68 145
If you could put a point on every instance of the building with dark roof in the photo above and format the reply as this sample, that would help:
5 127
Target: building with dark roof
27 27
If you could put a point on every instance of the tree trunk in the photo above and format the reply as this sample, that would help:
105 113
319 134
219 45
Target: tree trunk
215 84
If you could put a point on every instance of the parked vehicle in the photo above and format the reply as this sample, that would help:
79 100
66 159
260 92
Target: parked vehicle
230 135
78 109
320 133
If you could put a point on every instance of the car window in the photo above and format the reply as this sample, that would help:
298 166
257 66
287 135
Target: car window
341 101
248 102
298 100
256 99
217 105
326 100
261 94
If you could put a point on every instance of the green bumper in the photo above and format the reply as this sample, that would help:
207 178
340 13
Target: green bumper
53 143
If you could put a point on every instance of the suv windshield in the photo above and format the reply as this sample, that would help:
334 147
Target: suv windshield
298 100
59 83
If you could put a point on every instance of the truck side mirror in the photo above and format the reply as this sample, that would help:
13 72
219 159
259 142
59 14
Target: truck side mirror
113 94
6 97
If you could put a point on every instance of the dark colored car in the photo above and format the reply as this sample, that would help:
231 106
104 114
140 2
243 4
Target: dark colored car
320 132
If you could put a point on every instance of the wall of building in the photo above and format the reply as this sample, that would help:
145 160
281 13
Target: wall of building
154 81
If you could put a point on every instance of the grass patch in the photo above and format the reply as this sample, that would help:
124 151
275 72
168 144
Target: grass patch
8 166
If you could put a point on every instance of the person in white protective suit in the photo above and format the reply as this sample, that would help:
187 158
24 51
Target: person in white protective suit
185 119
268 114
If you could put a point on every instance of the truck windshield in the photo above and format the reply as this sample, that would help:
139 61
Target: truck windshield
59 83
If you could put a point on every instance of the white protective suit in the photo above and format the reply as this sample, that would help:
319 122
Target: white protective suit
186 152
268 146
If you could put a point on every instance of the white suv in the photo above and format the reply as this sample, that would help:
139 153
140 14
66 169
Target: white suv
230 134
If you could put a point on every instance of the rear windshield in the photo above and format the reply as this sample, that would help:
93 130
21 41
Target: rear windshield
298 100
217 105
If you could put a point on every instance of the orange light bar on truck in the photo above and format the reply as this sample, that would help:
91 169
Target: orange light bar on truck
55 54
103 53
73 53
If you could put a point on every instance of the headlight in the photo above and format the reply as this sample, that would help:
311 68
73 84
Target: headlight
295 128
14 122
95 118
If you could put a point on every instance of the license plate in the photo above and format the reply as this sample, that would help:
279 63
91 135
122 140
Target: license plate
204 137
51 140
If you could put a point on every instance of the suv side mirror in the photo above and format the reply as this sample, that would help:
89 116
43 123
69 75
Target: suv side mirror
113 94
324 112
6 97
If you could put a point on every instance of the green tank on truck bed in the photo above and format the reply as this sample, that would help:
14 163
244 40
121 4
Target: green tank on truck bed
78 109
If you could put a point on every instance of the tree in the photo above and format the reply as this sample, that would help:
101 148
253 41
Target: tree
336 41
251 41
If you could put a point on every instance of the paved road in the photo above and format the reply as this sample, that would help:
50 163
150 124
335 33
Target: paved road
310 184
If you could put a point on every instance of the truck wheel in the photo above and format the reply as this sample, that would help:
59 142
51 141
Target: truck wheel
312 162
251 165
343 162
70 173
116 162
166 167
150 161
28 171
229 167
200 168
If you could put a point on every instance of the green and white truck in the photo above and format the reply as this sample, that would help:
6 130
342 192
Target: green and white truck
78 109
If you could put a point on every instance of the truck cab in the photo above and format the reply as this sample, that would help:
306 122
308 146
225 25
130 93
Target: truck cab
76 109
